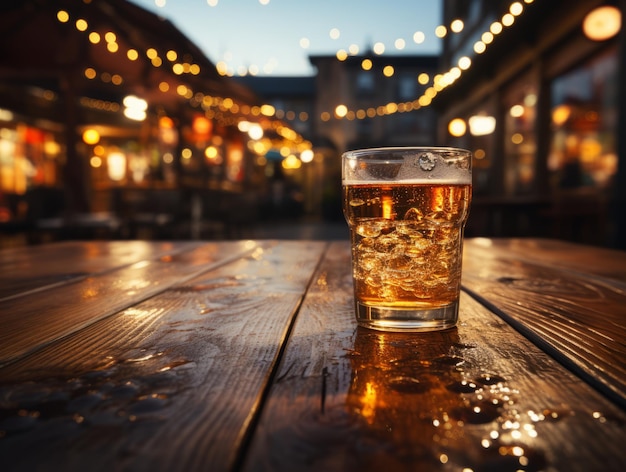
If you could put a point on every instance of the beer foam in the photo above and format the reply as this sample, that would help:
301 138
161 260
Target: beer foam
407 165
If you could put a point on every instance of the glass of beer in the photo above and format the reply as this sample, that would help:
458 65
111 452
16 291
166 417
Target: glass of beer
407 208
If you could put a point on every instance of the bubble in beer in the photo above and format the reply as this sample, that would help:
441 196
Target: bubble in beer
427 161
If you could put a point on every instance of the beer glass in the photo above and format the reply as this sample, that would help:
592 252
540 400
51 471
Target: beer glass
407 208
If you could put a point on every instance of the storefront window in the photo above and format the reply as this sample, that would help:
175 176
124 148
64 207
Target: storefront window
520 142
584 117
477 135
29 157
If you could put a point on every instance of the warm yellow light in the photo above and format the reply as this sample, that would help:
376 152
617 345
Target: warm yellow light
81 25
517 138
424 101
481 125
419 37
465 63
291 162
222 68
388 71
342 55
116 166
341 111
94 38
95 162
487 37
479 47
210 152
423 78
457 26
516 111
561 114
268 110
366 64
441 31
110 37
306 155
496 27
256 131
516 8
63 16
91 136
186 153
90 73
391 108
113 47
508 19
602 23
132 54
259 147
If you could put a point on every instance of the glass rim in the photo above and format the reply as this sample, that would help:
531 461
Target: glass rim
391 149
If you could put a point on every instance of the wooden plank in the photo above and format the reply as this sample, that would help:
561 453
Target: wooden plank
169 384
27 269
28 323
603 262
479 397
578 318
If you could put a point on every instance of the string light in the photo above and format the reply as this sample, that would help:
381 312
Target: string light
214 107
443 80
220 105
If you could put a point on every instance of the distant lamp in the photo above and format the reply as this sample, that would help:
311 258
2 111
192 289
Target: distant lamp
561 114
255 131
457 127
202 126
116 166
602 23
91 136
306 155
135 108
482 125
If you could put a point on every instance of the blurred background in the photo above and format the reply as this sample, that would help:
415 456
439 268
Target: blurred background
161 119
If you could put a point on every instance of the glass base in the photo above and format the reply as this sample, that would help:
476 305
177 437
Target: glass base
407 319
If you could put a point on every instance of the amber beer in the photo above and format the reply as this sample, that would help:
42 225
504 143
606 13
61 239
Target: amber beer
407 238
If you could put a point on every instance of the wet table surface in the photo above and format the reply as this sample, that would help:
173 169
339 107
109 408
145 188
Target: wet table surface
245 356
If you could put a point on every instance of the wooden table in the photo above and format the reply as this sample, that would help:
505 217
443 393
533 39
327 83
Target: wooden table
245 356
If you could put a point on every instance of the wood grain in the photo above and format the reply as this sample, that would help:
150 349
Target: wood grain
25 270
589 260
28 323
170 383
245 356
577 317
479 397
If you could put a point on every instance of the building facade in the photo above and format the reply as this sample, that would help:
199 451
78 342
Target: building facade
356 101
542 108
